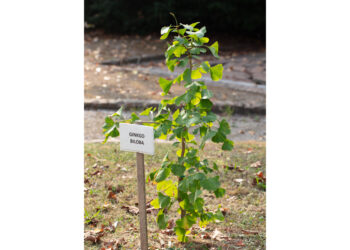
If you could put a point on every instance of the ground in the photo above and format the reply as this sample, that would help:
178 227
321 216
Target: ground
140 80
110 185
110 175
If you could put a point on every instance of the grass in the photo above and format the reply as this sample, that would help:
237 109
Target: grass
244 203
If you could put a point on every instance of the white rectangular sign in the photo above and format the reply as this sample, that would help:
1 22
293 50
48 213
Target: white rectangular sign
136 138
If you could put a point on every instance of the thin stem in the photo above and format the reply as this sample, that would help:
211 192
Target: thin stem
174 18
183 142
183 148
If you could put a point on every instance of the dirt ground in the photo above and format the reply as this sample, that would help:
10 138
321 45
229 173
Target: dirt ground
114 82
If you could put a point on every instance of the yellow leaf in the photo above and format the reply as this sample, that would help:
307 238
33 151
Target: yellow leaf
204 39
155 203
176 114
197 98
190 137
162 137
196 74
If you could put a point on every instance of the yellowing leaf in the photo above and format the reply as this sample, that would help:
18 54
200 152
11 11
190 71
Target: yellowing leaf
169 187
162 137
155 203
196 74
204 39
176 114
197 98
216 72
190 137
180 50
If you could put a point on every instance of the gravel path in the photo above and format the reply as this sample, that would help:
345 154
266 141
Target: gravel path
243 128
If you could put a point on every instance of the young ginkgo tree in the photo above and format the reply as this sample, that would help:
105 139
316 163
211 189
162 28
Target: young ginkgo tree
192 116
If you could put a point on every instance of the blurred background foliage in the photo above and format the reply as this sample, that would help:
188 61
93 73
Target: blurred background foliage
240 18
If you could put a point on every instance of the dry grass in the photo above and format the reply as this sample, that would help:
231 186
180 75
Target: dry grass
244 203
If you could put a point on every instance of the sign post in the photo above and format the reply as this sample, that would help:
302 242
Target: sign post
139 139
142 200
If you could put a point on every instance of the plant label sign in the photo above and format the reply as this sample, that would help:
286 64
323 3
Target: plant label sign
136 138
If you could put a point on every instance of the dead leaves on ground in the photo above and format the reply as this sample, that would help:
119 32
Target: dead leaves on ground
249 232
215 235
259 178
219 236
94 236
131 209
240 243
111 227
255 164
224 211
112 196
236 168
97 172
113 244
118 189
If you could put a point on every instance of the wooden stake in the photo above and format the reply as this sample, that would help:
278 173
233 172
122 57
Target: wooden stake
142 200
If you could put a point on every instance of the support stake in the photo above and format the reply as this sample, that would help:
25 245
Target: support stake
142 200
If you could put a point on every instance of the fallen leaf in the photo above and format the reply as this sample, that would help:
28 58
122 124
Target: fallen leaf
112 196
237 168
224 211
255 164
111 227
94 236
171 224
239 180
98 173
120 188
240 243
260 175
131 209
106 206
205 236
250 150
249 232
113 244
217 235
93 222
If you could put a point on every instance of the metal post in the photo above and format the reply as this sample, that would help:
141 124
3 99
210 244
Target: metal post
142 200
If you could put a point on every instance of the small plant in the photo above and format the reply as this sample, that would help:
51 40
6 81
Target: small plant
193 116
89 218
